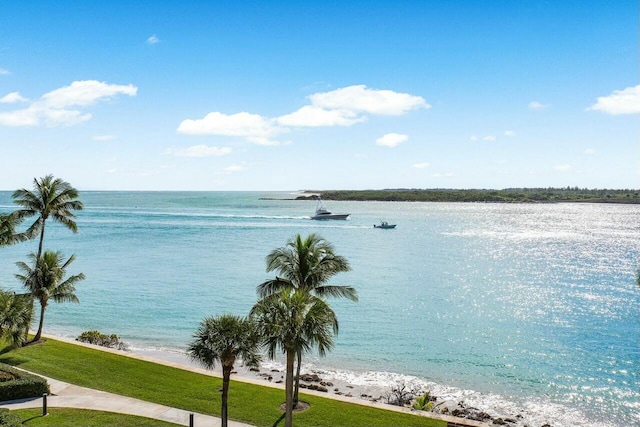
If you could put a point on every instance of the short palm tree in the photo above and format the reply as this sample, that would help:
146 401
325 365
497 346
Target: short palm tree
15 316
223 339
306 264
45 281
51 198
293 322
8 236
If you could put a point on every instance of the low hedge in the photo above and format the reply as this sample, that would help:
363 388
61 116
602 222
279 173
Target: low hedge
22 385
9 419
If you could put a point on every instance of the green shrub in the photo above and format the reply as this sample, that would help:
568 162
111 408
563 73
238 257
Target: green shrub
423 403
104 340
22 385
9 419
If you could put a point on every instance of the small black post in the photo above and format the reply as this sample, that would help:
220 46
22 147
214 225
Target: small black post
44 404
190 420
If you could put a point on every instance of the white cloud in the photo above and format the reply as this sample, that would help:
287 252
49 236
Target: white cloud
590 151
535 105
199 151
153 39
391 140
54 117
562 168
509 133
19 118
489 138
312 116
4 72
12 98
442 175
421 165
473 138
626 101
359 98
239 167
253 127
85 93
346 106
341 107
57 107
103 137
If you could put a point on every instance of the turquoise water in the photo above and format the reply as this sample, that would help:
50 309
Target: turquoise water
521 308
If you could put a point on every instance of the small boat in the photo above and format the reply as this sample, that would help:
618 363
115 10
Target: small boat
385 225
323 213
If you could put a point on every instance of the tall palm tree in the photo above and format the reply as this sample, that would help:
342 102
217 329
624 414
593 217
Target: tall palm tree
294 321
51 197
15 316
223 339
306 265
46 281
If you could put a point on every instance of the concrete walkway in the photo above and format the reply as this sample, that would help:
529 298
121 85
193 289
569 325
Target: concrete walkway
65 395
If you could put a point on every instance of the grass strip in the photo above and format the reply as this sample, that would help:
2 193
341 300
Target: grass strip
71 417
178 388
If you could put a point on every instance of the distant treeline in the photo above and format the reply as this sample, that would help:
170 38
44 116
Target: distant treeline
509 195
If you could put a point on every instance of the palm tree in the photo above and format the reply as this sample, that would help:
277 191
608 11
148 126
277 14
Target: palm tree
306 265
6 230
223 339
15 316
8 236
294 321
46 281
50 197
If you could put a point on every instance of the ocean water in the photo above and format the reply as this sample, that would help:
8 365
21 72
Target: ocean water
515 308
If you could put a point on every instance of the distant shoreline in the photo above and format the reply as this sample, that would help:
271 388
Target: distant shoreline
517 195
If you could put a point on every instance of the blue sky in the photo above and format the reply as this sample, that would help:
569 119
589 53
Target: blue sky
283 95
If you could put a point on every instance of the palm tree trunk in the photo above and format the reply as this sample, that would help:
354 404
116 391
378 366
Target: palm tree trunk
41 324
25 341
41 241
288 412
297 379
26 330
226 374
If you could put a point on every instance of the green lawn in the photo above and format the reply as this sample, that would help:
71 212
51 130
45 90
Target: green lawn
249 403
69 417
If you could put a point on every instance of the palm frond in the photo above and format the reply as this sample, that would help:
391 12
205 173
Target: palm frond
223 339
272 286
337 292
